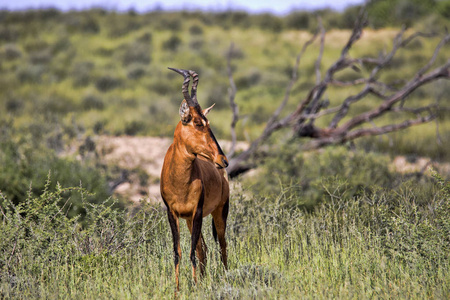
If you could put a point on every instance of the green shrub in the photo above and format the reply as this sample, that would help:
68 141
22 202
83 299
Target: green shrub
8 34
55 104
84 23
196 29
145 38
169 22
135 71
11 52
27 162
31 73
298 20
308 175
39 237
137 52
217 95
134 127
14 105
36 45
41 57
99 127
196 44
236 53
107 83
443 8
93 102
349 16
269 22
105 52
63 44
81 73
401 12
172 43
251 78
381 13
123 27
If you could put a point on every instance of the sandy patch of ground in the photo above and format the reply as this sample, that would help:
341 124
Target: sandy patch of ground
145 153
418 165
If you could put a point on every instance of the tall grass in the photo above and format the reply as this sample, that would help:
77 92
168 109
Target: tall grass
382 244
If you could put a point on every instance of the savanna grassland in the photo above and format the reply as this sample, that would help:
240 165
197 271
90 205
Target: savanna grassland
335 223
373 243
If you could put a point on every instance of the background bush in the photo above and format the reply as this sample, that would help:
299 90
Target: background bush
26 167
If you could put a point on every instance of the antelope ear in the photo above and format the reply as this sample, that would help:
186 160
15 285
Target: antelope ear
185 113
207 110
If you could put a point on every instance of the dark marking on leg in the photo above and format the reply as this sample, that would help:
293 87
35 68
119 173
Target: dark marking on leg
225 209
220 216
214 231
196 232
175 228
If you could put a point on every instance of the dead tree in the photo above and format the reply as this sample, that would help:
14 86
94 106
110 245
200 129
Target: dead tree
341 129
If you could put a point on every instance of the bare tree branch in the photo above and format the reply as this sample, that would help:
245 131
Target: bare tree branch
444 41
361 21
322 113
311 107
234 108
342 63
415 111
349 83
294 78
272 123
439 72
319 57
338 139
416 35
367 89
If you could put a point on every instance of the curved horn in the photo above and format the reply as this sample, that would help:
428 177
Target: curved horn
185 87
194 86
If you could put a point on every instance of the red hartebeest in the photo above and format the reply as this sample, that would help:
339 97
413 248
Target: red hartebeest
194 182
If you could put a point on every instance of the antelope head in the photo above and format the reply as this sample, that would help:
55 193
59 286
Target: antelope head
194 130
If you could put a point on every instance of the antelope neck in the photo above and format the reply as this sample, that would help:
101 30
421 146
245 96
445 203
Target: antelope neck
181 163
182 154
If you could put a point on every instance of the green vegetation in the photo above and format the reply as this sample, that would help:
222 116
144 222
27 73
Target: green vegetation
100 72
336 223
377 242
26 162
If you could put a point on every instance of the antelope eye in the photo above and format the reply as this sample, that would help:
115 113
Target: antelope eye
198 124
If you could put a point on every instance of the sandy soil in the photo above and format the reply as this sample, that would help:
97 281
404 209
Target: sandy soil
146 153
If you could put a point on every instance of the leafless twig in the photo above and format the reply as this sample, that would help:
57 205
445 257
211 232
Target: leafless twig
234 108
319 57
272 123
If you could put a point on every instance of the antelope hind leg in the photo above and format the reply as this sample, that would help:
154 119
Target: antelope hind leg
175 228
220 216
